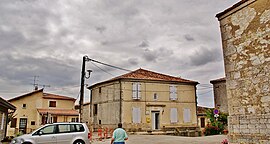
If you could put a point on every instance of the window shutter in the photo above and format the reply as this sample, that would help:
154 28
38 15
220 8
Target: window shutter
174 115
134 91
173 92
136 115
139 91
3 121
186 115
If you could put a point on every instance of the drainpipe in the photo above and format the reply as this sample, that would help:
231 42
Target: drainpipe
120 115
196 103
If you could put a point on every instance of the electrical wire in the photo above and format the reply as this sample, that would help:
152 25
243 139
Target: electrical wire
102 69
108 65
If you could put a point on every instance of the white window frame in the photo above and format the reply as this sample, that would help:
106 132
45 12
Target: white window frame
136 91
173 92
136 115
3 121
187 115
173 115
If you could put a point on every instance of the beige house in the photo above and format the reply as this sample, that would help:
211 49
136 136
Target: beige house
144 100
5 108
220 94
245 32
38 108
202 118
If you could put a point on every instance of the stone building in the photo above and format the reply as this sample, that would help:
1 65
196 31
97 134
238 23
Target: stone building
220 94
5 107
245 31
144 100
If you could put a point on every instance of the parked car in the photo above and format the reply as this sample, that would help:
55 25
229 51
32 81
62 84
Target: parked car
56 133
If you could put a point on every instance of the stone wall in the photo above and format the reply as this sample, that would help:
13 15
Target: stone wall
220 94
245 32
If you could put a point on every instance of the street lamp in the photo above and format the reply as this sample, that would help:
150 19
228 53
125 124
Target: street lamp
83 76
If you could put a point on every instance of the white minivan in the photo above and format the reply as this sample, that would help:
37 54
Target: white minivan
56 133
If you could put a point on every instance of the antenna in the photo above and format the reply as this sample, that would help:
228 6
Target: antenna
35 84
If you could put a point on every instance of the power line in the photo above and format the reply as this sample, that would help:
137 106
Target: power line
88 59
102 69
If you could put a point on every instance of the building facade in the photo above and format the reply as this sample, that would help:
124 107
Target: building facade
38 108
220 94
245 31
144 100
5 108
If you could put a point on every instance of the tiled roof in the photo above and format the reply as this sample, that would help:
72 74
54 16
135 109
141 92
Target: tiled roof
53 96
142 74
65 112
45 96
231 8
149 75
18 97
6 104
218 80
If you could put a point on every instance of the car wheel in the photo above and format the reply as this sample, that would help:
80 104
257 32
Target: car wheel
79 142
26 143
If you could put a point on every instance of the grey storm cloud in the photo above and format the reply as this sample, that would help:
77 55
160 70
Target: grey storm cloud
49 38
204 55
189 37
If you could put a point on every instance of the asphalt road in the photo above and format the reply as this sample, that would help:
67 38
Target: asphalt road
165 139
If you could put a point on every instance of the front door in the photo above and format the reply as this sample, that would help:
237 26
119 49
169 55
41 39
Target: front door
155 120
23 125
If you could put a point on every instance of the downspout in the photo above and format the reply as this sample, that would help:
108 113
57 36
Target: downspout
196 98
90 109
5 126
120 102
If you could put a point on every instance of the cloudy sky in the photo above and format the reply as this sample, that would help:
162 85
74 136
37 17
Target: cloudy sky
48 39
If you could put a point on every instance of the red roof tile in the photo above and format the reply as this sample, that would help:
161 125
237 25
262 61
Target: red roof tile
53 96
66 112
142 74
30 93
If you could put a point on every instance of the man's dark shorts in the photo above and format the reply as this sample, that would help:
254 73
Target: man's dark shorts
118 142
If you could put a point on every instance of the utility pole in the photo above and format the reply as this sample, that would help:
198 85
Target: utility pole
83 76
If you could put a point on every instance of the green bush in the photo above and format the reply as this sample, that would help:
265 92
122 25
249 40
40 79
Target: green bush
216 126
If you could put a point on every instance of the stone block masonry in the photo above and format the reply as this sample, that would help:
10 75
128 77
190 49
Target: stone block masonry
245 30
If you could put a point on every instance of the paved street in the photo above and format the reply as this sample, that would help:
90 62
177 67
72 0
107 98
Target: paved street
165 139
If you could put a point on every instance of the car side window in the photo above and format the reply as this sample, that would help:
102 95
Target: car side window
63 128
79 128
46 130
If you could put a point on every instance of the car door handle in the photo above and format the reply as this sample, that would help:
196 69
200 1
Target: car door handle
53 137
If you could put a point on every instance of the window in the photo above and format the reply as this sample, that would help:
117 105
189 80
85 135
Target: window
63 128
33 123
95 109
79 128
155 96
186 115
173 92
99 89
136 91
136 115
52 103
24 106
202 122
173 115
13 123
3 121
74 119
48 130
